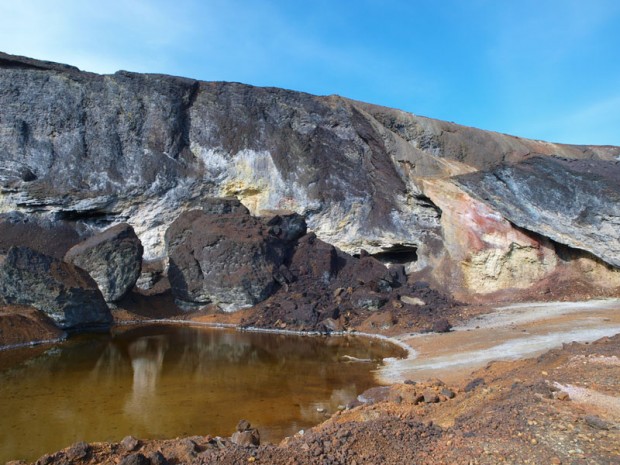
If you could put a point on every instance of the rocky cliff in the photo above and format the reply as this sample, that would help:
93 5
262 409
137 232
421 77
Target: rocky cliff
471 211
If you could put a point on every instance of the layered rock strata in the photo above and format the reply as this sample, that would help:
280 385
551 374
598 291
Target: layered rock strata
88 151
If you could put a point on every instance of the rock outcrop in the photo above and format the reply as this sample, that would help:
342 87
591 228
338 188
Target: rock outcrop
113 258
573 202
64 292
149 147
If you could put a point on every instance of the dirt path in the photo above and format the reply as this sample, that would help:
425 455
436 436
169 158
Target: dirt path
508 333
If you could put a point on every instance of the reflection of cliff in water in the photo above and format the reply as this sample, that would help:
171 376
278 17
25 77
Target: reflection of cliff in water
147 358
163 381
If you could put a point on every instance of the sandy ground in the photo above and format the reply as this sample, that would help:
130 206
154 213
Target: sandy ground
507 333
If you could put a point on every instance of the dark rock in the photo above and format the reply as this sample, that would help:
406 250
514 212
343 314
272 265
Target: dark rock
243 425
47 459
596 422
113 258
573 202
66 293
189 447
43 234
129 443
314 260
227 259
431 397
223 206
441 326
248 438
473 384
448 393
157 458
152 272
135 459
287 226
78 451
367 299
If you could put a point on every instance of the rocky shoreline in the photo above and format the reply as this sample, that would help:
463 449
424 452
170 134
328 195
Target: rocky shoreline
558 408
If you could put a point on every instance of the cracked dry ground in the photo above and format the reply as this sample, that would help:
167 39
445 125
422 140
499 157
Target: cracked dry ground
560 408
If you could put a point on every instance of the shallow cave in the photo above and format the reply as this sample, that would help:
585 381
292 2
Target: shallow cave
398 254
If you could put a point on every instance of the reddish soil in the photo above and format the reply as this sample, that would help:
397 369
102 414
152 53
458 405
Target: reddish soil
21 325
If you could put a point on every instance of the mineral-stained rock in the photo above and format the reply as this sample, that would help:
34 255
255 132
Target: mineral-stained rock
573 202
151 146
113 258
63 291
229 259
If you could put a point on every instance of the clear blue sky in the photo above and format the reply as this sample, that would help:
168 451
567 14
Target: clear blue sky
544 69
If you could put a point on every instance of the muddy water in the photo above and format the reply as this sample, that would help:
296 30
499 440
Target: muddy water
166 381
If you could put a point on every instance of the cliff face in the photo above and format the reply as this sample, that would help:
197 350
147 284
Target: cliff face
92 150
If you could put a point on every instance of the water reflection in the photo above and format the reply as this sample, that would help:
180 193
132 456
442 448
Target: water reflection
147 360
173 381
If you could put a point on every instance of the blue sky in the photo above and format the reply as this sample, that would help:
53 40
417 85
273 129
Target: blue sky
545 69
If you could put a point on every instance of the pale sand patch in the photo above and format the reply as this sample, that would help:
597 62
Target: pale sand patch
508 333
606 404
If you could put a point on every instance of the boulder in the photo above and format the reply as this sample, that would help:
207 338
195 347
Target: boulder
113 258
47 235
228 259
65 292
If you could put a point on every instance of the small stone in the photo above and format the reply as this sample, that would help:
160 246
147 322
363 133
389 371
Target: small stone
157 458
441 326
412 300
320 409
556 461
449 393
544 373
135 459
249 438
190 446
243 425
534 441
78 451
431 397
562 396
129 443
473 384
251 459
596 422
